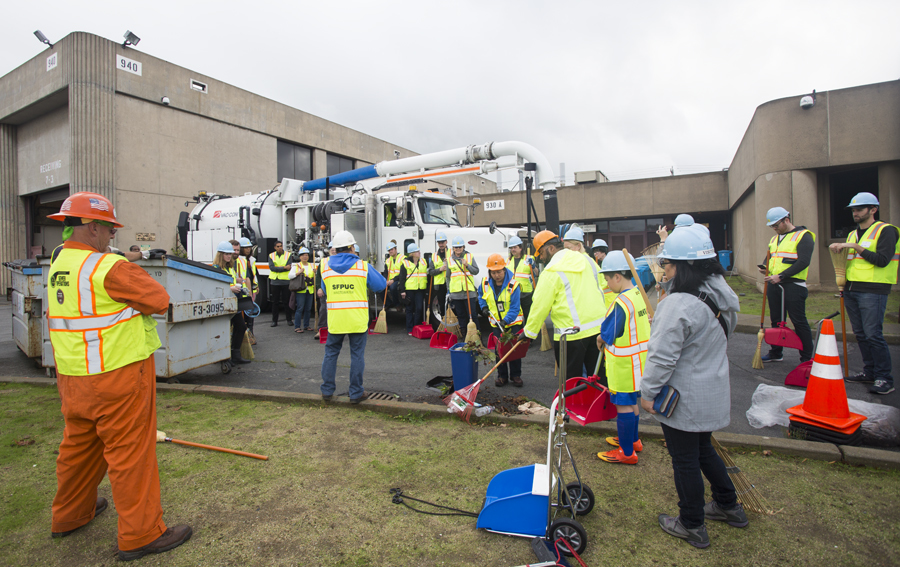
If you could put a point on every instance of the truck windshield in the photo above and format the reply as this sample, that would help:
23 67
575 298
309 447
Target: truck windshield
438 212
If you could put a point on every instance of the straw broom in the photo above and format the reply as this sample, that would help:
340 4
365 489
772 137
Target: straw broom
381 322
472 327
839 261
757 356
747 494
546 342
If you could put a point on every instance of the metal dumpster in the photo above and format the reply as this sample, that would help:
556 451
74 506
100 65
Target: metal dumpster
27 301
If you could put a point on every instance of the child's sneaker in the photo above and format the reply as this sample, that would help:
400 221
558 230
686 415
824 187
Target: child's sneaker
614 441
618 456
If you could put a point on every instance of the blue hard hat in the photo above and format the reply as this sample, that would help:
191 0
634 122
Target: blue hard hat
598 243
245 242
412 248
863 200
515 241
574 233
699 228
356 248
303 250
775 214
615 262
687 243
226 247
390 245
441 237
684 220
331 244
458 241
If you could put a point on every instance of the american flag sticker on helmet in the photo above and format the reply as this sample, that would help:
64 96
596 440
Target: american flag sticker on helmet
99 205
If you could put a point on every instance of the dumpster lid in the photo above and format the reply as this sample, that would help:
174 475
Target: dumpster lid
28 266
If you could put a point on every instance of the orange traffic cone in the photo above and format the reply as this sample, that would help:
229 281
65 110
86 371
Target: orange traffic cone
825 403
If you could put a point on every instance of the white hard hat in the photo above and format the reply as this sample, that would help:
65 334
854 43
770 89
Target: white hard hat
599 242
863 200
413 247
226 247
343 239
575 233
775 214
615 262
684 219
687 243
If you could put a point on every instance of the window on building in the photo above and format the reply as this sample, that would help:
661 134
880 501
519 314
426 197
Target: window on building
294 162
338 164
844 185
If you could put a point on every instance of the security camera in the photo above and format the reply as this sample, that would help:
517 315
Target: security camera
807 102
165 100
397 154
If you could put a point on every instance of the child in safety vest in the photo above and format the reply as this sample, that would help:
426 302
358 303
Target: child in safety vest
623 340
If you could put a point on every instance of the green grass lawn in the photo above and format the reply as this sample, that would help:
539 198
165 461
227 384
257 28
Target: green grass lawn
818 305
322 497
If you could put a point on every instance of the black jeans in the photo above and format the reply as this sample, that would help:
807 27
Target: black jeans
415 308
795 306
692 454
580 354
238 328
525 301
462 312
281 295
439 296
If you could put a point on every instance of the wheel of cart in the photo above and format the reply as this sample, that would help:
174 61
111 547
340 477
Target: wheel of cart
535 500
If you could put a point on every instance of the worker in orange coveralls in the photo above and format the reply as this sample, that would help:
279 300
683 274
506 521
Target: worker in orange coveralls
103 335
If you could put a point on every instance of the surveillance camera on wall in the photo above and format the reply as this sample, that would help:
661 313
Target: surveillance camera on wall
397 154
807 102
165 100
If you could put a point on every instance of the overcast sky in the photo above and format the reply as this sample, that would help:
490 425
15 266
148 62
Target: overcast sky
631 88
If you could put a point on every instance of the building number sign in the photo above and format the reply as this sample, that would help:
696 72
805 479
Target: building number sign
493 205
125 64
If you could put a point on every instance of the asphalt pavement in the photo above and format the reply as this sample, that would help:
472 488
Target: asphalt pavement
399 364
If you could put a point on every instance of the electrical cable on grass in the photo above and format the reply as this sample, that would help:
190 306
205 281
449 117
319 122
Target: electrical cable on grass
397 498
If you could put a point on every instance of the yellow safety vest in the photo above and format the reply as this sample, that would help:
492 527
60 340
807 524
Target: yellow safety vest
280 262
244 271
438 262
91 332
625 360
523 274
861 270
309 271
347 297
416 274
460 278
786 250
499 307
393 265
230 271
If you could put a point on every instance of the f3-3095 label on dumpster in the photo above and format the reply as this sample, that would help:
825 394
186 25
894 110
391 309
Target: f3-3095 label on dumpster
203 309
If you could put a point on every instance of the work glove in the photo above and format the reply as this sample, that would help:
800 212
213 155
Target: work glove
486 313
521 337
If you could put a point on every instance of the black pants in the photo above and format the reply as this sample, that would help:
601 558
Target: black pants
415 308
795 306
439 295
462 312
692 454
281 295
238 328
580 354
525 301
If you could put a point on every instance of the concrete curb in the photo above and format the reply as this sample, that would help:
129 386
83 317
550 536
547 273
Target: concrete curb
859 456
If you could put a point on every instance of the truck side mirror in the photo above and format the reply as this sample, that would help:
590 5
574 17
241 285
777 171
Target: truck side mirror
400 211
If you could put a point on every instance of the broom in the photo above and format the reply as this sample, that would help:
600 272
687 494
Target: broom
381 322
546 342
472 327
637 282
839 261
757 356
747 494
161 438
462 401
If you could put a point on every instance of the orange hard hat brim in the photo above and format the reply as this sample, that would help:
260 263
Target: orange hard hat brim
62 217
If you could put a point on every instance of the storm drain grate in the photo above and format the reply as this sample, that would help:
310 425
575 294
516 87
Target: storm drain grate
383 396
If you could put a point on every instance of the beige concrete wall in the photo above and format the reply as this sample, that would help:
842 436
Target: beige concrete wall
804 212
43 152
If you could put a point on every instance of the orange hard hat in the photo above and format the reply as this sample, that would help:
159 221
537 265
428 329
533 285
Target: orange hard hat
542 238
86 205
495 262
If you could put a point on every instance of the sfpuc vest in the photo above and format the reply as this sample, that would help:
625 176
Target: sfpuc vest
523 274
860 270
416 274
280 262
393 265
626 358
438 261
347 296
779 252
499 307
92 333
460 278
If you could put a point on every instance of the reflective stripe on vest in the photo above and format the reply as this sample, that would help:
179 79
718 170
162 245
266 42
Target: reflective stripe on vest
523 274
275 260
393 265
861 270
779 252
627 357
570 299
347 298
460 278
92 333
497 313
438 262
416 274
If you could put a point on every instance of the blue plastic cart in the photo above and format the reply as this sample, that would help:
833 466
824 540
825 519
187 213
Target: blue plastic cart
535 501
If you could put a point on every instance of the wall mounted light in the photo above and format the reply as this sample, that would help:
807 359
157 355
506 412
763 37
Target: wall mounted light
808 101
130 39
42 38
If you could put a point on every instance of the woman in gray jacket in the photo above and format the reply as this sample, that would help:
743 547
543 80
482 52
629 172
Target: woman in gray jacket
686 351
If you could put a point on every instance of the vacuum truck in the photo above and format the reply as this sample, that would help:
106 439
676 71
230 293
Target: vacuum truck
378 204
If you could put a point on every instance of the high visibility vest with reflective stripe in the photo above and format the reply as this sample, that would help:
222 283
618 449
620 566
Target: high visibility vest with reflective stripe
309 271
460 278
230 271
438 262
245 272
416 274
347 296
625 359
499 307
92 333
281 261
786 250
523 274
860 270
393 265
583 311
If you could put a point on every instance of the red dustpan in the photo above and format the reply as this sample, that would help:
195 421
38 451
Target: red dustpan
783 337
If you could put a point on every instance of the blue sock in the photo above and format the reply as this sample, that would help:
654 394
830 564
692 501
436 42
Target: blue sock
637 421
626 428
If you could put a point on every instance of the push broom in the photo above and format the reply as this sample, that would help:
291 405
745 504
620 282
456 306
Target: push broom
161 438
381 322
839 261
462 401
757 356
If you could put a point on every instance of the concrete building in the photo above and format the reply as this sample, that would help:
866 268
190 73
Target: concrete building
810 161
91 115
